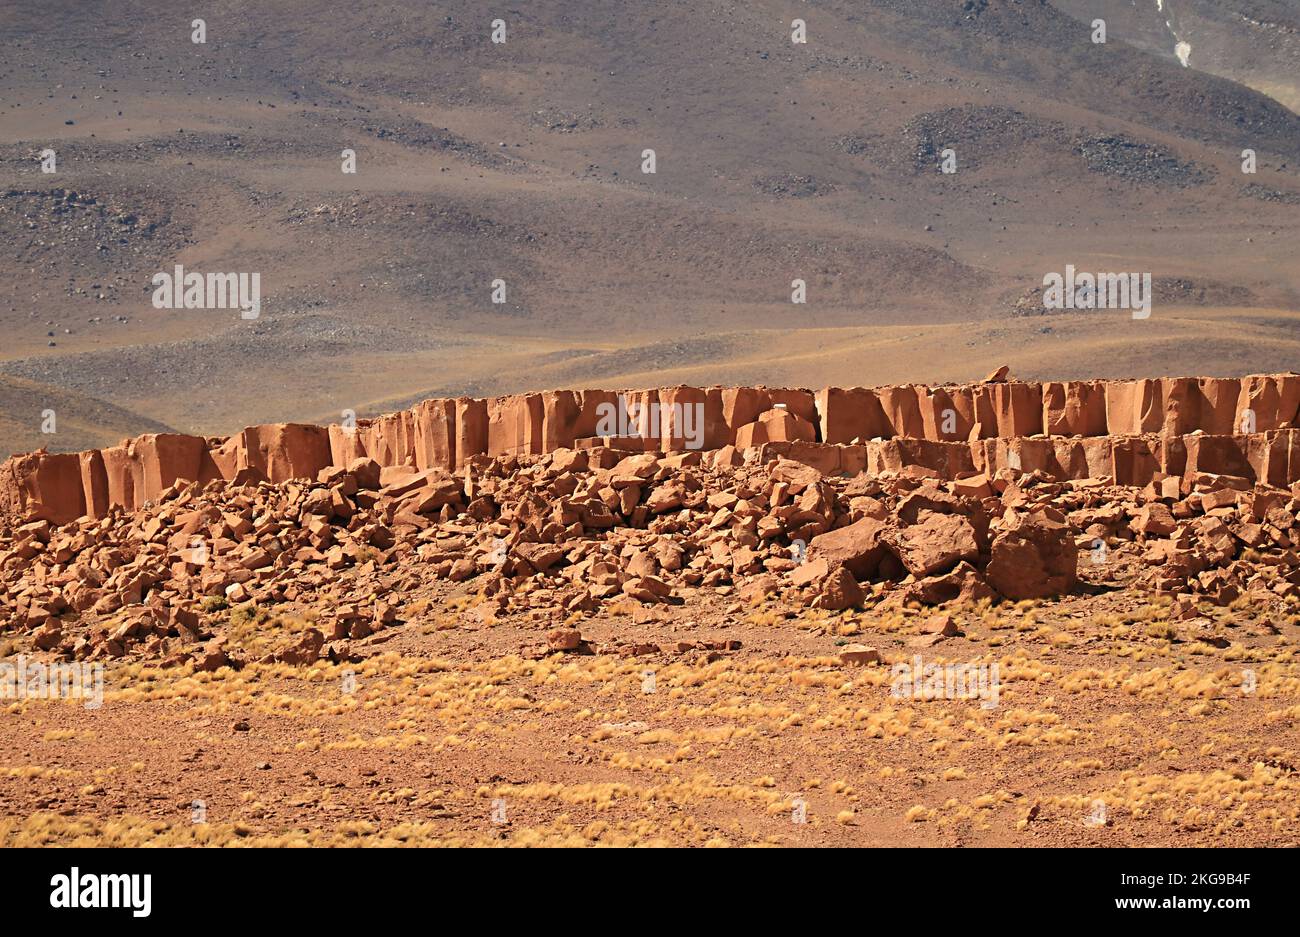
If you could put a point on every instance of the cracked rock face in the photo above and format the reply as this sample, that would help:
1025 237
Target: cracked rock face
1033 558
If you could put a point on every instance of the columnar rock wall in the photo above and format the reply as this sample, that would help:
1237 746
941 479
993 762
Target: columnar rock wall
1127 430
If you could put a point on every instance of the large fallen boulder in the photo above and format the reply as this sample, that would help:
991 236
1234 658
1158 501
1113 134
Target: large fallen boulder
1034 556
839 591
858 547
935 543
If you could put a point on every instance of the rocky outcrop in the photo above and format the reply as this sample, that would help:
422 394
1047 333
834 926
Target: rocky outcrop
1129 431
558 536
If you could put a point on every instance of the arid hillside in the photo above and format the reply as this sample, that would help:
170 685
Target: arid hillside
521 162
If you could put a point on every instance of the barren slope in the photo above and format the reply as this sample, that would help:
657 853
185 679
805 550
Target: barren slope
521 162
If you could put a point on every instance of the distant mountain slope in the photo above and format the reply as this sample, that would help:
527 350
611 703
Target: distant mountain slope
28 408
780 168
1254 42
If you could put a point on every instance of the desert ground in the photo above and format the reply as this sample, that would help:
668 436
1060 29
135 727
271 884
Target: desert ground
530 646
1109 702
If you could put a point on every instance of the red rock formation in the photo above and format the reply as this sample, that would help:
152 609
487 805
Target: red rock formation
1033 556
515 425
471 429
1273 398
1074 408
561 415
435 435
43 486
846 414
1129 431
778 425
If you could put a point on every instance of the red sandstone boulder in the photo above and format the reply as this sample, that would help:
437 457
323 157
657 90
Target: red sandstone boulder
1033 558
859 655
212 656
48 635
839 591
648 589
963 584
564 639
306 650
366 472
859 547
540 556
935 543
778 425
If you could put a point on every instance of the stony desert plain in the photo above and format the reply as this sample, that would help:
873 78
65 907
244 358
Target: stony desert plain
762 499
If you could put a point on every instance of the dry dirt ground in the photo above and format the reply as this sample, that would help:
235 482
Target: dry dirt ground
1113 726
